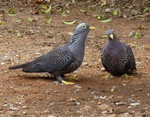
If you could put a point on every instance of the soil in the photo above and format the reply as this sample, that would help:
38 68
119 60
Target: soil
37 95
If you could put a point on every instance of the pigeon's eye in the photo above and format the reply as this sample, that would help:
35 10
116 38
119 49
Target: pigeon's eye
84 26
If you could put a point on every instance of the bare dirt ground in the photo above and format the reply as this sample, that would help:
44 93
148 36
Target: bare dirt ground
36 95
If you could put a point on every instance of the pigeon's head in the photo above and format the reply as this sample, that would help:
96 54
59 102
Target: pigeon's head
84 28
110 34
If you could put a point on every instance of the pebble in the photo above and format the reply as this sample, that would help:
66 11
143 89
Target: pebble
102 69
85 64
113 88
108 10
78 103
14 108
77 86
135 104
52 103
132 34
120 103
2 63
51 116
70 33
100 97
5 105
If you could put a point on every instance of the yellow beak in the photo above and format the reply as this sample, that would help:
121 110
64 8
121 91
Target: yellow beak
92 28
112 36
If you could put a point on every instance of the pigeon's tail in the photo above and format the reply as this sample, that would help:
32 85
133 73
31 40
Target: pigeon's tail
18 66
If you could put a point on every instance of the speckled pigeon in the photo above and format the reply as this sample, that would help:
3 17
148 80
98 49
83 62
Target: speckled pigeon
63 59
116 57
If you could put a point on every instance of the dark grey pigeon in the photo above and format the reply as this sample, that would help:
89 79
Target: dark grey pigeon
62 60
117 58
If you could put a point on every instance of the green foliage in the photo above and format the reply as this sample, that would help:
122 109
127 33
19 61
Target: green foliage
115 12
47 10
31 19
11 12
1 22
137 35
105 21
19 34
147 9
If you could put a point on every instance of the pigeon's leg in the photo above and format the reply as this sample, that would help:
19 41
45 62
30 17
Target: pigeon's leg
59 79
62 75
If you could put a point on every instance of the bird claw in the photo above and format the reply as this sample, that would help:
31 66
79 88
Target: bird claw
126 76
67 83
72 77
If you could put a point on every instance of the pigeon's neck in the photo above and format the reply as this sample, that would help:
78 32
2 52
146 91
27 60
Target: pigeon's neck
113 44
77 45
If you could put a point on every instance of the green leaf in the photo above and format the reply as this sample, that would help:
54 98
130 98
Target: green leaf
11 11
12 15
103 36
105 21
19 34
0 22
115 12
69 23
18 21
30 19
99 17
82 10
73 1
43 6
48 10
103 3
49 21
147 9
137 35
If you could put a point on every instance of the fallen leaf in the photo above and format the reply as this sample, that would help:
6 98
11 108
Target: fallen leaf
99 17
19 34
11 12
30 19
69 23
105 21
43 6
115 12
147 9
48 10
73 1
103 3
0 22
82 10
49 21
18 21
12 15
137 35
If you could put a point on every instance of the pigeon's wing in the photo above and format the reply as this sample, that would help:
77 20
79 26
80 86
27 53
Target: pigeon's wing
103 59
131 60
55 60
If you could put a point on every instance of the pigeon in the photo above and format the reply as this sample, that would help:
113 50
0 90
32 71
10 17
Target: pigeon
116 57
63 59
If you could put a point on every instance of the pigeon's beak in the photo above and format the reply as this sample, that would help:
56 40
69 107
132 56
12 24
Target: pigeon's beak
92 28
112 36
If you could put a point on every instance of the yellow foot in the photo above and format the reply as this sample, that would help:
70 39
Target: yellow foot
67 83
109 76
72 77
126 76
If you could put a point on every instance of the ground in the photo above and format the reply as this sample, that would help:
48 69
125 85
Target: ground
37 95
